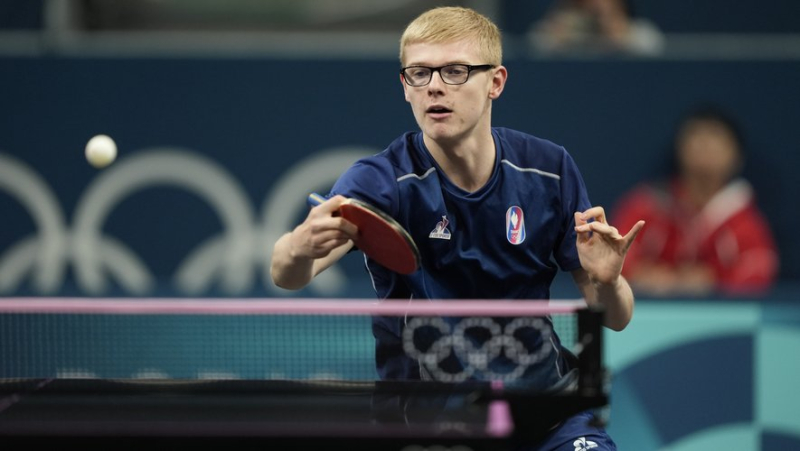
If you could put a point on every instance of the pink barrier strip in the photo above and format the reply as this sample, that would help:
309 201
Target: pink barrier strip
287 306
500 422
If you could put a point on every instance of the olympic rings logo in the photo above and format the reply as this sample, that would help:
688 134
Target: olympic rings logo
480 345
230 259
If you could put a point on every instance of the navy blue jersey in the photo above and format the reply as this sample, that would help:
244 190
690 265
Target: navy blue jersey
506 240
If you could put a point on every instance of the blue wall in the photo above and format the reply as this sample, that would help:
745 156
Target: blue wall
254 121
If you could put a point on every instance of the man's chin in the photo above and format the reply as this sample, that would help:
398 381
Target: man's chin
440 133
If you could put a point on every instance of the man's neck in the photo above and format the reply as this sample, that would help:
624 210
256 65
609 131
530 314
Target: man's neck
467 163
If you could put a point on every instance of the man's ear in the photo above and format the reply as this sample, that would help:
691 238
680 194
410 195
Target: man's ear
405 87
498 82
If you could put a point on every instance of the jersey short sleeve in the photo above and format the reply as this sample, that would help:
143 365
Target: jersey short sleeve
574 199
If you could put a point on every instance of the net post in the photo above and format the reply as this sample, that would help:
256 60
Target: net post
591 379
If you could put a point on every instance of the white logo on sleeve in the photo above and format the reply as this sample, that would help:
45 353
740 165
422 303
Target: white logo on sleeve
582 444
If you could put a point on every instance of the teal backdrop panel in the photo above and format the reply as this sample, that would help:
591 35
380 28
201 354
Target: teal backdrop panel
699 375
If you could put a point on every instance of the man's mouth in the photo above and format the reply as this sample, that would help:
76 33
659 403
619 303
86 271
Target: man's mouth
438 110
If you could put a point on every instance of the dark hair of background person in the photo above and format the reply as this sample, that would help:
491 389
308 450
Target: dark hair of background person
668 163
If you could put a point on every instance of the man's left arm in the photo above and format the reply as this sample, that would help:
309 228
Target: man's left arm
602 250
615 297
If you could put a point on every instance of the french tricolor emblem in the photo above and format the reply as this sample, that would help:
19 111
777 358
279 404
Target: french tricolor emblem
515 225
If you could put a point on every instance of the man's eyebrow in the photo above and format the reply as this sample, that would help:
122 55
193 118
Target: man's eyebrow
449 63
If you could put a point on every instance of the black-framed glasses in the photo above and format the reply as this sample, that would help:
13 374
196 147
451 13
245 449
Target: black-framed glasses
452 74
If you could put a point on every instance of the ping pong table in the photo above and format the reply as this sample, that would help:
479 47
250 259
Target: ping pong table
279 414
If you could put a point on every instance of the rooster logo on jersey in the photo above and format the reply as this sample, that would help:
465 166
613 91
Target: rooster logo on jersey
515 225
440 231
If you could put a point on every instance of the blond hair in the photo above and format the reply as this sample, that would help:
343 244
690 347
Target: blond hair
452 23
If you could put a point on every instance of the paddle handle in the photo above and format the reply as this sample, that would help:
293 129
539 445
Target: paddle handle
315 199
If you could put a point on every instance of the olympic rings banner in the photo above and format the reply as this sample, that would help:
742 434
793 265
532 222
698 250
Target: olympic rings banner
433 340
228 259
215 156
211 171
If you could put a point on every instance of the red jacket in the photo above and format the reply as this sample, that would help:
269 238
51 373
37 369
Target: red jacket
730 234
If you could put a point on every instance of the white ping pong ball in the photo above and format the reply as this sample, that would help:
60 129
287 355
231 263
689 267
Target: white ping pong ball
101 151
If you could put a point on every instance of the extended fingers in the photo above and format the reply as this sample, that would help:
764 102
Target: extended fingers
631 235
596 213
329 206
322 223
345 227
599 227
324 242
325 216
318 236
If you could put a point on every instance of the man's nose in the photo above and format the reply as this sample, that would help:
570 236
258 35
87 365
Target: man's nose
437 82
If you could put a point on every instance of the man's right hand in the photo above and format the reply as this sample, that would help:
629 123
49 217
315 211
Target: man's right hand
313 246
322 231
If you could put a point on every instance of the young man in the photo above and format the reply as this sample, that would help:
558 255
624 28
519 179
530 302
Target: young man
489 208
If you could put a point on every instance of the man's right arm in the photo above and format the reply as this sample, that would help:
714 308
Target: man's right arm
313 246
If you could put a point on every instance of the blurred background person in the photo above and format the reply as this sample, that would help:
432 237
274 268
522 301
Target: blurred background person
595 26
705 235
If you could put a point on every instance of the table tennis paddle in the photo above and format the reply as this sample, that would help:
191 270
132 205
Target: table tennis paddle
379 235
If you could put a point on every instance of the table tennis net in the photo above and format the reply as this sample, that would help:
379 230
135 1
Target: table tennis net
299 339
